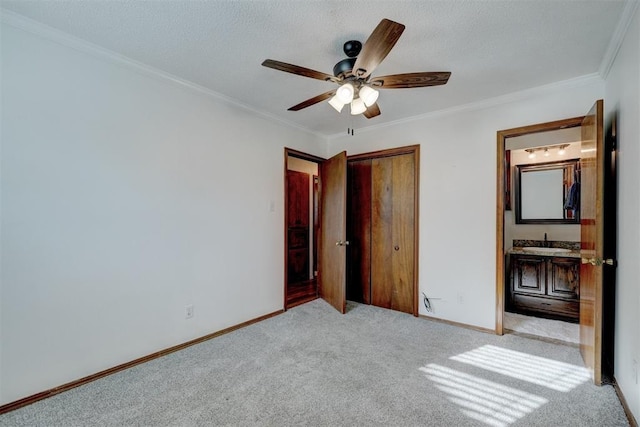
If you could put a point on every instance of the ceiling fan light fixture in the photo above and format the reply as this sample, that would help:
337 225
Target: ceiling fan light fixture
336 103
368 95
345 93
352 75
358 107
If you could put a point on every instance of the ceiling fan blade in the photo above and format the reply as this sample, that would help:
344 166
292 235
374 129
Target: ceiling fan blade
300 71
314 100
407 80
377 47
372 111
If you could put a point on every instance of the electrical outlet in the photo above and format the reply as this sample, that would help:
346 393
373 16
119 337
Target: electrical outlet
460 299
635 369
189 311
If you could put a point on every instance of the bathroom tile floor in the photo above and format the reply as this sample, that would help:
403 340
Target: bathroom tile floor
546 328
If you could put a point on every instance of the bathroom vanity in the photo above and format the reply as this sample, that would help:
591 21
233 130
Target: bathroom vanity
545 282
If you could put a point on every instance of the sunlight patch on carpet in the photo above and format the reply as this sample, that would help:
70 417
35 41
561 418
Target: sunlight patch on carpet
482 400
549 373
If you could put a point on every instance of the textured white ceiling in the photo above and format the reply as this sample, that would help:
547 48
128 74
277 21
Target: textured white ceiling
492 48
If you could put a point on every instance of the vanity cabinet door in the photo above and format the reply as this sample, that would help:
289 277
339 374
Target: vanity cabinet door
544 286
563 278
528 274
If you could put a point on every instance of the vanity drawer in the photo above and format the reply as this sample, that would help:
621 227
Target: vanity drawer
545 305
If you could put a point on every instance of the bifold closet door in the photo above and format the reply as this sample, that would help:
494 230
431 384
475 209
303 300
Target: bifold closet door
392 232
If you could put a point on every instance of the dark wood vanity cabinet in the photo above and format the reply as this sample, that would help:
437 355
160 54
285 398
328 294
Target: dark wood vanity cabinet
547 286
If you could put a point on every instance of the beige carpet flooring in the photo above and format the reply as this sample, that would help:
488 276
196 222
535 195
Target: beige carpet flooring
312 366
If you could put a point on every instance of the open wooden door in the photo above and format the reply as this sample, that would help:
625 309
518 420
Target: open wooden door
332 251
592 238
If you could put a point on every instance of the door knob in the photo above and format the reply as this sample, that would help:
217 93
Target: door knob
342 243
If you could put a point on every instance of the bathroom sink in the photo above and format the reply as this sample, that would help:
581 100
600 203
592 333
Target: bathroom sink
548 250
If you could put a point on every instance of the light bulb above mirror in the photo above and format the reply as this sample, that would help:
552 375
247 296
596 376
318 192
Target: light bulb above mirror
532 151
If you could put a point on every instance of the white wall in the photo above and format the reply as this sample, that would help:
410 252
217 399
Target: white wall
125 198
623 100
458 188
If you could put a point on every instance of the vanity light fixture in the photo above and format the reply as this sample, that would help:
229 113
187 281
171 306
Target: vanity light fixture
561 150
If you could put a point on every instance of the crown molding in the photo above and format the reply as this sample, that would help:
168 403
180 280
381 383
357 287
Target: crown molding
488 103
34 27
618 37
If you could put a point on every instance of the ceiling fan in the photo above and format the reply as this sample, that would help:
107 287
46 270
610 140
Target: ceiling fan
353 74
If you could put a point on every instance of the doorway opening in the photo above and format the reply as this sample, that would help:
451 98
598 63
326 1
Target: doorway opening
535 274
301 218
542 234
538 290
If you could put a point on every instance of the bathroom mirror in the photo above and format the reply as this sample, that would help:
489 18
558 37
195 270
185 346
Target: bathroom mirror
548 193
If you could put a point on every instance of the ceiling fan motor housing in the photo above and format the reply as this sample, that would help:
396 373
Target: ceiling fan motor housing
344 67
351 48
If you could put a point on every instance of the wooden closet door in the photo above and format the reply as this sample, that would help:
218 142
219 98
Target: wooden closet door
392 232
